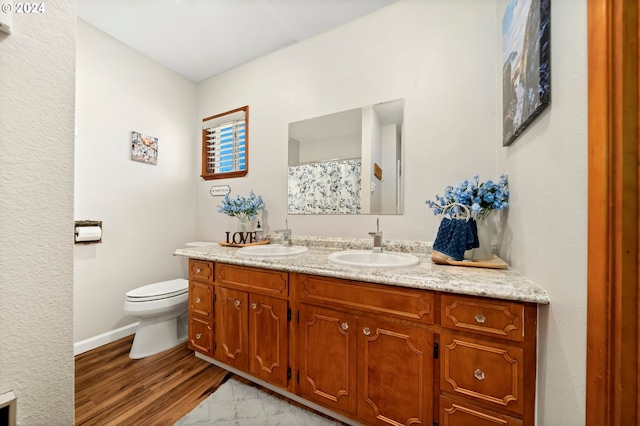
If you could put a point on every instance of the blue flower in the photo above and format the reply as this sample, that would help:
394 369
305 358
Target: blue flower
472 197
241 207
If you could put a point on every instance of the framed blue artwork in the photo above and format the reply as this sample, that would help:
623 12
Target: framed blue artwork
526 66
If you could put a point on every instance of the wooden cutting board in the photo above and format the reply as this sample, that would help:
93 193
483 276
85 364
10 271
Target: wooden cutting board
256 243
494 263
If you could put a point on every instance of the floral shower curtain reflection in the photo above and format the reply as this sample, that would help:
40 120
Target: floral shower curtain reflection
327 187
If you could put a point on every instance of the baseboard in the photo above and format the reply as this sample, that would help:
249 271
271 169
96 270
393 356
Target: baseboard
104 338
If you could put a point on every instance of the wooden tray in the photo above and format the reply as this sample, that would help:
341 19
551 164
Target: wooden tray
256 243
494 263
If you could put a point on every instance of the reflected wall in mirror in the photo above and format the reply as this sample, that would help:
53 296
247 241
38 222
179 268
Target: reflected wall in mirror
349 162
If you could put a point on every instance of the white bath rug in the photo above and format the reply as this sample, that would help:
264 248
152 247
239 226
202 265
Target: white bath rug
237 404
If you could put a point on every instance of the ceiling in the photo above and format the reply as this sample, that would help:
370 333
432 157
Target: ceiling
201 38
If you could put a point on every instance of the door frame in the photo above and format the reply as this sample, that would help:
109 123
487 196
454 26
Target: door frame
612 313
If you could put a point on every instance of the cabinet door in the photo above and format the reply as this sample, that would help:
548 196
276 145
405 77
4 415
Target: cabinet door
268 339
327 358
231 328
395 373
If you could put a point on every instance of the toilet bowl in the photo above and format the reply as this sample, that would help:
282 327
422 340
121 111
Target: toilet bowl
162 310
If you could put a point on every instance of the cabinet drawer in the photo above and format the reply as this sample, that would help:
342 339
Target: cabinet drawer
485 316
485 371
456 413
201 300
201 270
409 304
201 336
253 279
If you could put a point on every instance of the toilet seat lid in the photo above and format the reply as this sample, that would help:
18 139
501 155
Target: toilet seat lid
161 289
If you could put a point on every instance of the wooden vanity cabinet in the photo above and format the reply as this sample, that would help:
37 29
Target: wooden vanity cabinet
379 354
200 306
252 321
365 362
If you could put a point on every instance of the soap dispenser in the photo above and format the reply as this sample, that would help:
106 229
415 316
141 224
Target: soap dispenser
259 232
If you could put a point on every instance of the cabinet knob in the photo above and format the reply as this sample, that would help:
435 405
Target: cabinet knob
345 326
237 302
254 306
478 374
366 331
480 318
198 270
198 299
198 336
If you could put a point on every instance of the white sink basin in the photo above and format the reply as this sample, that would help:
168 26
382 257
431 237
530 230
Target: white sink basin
371 259
272 250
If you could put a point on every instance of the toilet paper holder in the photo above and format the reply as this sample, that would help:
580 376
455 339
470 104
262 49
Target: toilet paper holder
87 231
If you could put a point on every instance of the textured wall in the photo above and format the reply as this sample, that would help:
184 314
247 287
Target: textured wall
37 78
147 211
441 61
546 226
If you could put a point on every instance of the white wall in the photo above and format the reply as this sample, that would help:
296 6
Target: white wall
441 61
442 57
546 225
147 210
37 73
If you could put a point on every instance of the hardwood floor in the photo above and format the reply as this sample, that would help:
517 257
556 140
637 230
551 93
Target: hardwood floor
112 389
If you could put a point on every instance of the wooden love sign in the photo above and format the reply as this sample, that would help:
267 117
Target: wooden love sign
241 237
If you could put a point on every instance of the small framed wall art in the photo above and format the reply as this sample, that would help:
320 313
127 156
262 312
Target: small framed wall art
526 67
144 148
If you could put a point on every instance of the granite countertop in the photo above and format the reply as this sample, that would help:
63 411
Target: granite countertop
505 284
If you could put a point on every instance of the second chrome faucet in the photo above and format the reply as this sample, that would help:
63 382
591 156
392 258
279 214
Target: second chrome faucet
286 234
377 237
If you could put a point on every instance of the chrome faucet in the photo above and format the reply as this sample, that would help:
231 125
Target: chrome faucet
377 237
286 234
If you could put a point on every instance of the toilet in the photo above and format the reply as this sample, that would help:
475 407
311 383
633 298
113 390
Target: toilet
162 310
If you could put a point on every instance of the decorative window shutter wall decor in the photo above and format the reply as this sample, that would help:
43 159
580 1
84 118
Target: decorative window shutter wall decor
225 144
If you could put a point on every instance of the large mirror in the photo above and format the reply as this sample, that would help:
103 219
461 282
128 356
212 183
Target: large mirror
348 162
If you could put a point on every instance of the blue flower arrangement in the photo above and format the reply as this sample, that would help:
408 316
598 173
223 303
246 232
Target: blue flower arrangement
244 208
472 198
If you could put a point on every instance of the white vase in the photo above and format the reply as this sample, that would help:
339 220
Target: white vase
485 238
244 224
